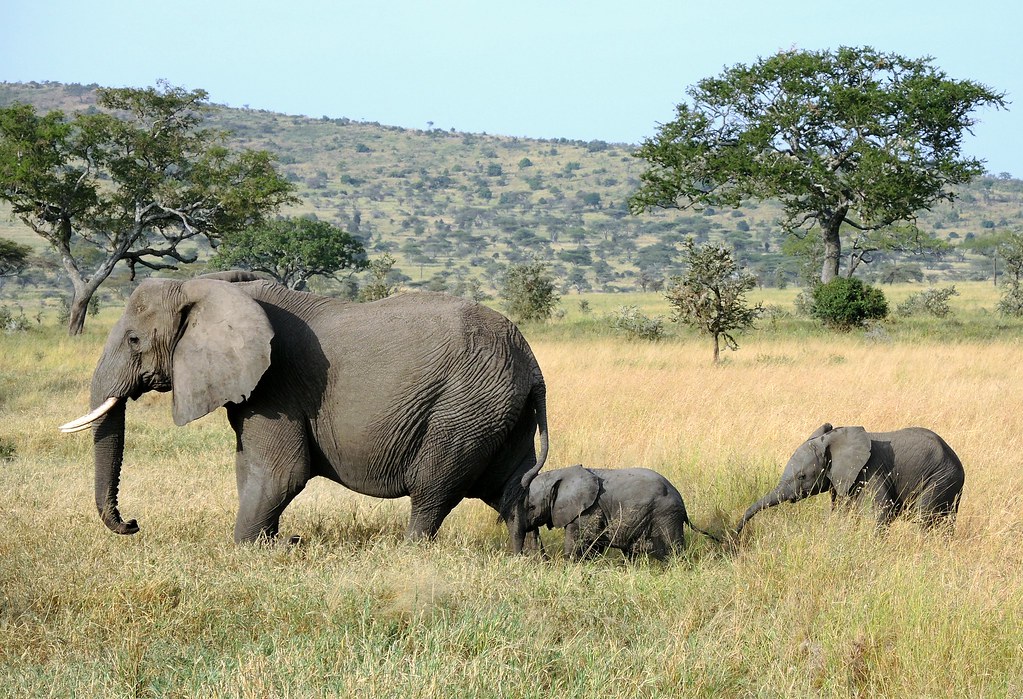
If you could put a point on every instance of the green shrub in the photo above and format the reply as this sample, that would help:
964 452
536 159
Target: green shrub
933 302
11 322
845 302
629 321
1011 302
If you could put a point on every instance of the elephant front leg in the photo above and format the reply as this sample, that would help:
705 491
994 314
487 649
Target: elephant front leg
878 492
428 512
271 468
571 547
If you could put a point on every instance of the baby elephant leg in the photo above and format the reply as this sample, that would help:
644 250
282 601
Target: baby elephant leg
571 539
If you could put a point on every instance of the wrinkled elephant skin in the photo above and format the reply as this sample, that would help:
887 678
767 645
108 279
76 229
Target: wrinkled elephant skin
421 395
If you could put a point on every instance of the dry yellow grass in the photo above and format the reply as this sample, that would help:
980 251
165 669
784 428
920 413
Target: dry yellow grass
810 605
665 406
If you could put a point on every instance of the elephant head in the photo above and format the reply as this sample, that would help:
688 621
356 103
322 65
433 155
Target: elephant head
557 498
204 339
830 458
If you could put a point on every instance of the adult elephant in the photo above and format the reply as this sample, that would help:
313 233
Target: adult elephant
422 395
908 469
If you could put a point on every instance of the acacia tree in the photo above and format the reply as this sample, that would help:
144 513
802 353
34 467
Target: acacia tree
291 250
711 295
130 183
854 138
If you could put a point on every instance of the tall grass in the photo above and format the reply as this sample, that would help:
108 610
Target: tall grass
810 604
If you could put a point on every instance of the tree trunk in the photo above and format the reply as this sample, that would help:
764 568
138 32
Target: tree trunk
79 307
832 254
84 288
832 243
717 348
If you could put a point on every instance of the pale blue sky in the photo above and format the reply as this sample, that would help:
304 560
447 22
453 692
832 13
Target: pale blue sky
575 69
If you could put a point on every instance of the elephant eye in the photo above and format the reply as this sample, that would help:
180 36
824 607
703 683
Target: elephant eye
133 341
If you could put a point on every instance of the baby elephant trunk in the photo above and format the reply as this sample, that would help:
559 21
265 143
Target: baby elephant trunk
775 497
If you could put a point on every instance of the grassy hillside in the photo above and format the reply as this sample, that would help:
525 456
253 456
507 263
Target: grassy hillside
810 604
454 206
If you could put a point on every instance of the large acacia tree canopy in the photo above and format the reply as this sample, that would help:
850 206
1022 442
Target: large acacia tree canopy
852 137
130 182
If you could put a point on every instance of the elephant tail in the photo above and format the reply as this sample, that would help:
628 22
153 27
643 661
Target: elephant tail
697 529
538 397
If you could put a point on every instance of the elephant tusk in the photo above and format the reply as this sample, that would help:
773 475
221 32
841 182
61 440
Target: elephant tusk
85 421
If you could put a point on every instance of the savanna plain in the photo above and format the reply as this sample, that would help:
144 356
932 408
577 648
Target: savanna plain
808 603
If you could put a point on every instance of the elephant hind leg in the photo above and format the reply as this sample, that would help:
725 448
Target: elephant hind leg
940 503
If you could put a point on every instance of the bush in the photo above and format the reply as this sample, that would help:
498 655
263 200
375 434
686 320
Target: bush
1011 303
845 302
933 302
528 292
629 321
12 323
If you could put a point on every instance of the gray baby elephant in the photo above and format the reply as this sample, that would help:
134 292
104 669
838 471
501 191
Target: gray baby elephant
911 469
633 509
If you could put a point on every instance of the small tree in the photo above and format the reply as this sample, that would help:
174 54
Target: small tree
528 292
379 285
711 295
1010 249
291 250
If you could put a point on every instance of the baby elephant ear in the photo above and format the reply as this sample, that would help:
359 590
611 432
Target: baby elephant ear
821 431
577 492
849 448
223 350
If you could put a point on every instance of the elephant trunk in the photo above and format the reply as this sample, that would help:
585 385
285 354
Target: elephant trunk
775 497
108 451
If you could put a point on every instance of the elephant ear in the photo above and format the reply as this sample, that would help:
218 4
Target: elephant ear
223 349
821 431
849 448
576 493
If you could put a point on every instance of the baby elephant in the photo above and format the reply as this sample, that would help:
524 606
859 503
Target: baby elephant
633 509
911 468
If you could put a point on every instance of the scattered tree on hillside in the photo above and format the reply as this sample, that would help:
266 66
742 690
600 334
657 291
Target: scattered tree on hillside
133 183
853 138
987 246
291 250
711 295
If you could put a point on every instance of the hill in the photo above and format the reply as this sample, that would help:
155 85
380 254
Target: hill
454 206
